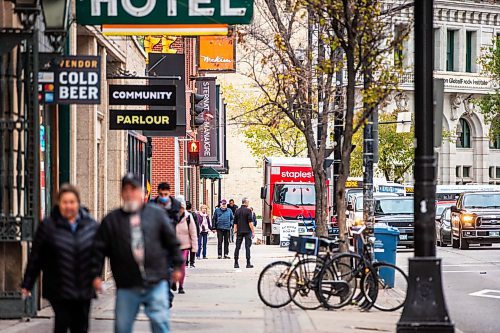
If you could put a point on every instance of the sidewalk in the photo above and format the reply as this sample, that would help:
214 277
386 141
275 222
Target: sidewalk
220 299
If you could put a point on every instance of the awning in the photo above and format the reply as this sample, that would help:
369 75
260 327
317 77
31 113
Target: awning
209 173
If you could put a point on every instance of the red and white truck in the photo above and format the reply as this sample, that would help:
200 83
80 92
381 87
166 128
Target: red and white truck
288 195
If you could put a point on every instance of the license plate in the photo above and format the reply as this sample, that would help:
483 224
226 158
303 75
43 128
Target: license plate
302 230
403 237
495 233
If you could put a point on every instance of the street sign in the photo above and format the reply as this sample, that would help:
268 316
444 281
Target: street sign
287 230
404 122
98 12
78 80
158 95
145 120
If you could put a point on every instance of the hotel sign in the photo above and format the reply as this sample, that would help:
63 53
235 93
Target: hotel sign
98 12
152 120
160 95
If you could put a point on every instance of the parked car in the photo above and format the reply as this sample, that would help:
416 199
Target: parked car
397 212
443 227
476 219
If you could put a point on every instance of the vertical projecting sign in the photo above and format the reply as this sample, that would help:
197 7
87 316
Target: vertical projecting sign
207 133
78 80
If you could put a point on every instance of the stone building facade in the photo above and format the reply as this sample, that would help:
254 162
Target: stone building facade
468 154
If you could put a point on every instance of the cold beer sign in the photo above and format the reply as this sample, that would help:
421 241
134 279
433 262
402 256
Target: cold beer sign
78 80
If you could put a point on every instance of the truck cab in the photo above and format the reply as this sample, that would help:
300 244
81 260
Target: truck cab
288 195
476 219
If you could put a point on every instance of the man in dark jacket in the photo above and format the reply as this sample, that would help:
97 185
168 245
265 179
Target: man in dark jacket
140 242
171 204
244 229
233 208
223 222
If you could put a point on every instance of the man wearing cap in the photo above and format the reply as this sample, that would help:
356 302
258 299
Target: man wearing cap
140 241
223 221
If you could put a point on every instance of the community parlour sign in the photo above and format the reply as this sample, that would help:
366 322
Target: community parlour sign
160 95
78 80
147 120
217 54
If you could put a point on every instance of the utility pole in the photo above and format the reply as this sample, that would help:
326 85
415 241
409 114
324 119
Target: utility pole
368 160
425 308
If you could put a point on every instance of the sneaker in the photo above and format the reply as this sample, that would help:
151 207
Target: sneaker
191 266
249 265
204 257
174 287
220 257
227 257
181 290
236 265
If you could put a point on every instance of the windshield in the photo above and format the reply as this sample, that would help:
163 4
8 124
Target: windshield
359 204
393 206
351 193
440 209
482 200
295 194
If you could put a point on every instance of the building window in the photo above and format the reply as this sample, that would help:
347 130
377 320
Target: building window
494 139
437 49
466 171
463 132
450 51
470 51
398 50
497 172
458 172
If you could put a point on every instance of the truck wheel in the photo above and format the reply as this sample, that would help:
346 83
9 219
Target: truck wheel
464 244
454 242
275 239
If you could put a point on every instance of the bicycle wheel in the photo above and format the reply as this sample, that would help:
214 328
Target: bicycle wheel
392 284
337 281
272 284
302 283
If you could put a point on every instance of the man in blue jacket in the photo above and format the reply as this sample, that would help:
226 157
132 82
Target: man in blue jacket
223 221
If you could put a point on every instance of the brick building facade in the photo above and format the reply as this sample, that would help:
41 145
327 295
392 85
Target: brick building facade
183 179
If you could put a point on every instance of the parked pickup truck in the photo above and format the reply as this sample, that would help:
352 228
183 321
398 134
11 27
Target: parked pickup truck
476 219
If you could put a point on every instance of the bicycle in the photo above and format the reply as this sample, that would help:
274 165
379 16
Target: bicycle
303 278
341 275
272 285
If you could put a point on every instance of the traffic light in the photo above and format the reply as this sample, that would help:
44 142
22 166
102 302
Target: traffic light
193 152
196 110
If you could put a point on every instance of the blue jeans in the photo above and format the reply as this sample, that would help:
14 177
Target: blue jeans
203 237
155 301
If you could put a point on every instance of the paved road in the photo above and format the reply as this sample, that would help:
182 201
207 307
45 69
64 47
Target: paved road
466 272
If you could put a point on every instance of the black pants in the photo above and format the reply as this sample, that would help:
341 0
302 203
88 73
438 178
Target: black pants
71 315
223 236
248 242
191 258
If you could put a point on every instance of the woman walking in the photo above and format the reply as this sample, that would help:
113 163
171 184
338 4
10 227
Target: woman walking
62 250
205 227
187 235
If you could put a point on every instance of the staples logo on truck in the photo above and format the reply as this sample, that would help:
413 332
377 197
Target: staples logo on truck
296 174
292 174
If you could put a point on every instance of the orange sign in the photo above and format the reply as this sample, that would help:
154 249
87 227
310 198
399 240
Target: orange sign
194 147
217 54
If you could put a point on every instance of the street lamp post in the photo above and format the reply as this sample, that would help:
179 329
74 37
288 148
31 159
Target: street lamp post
425 308
56 13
